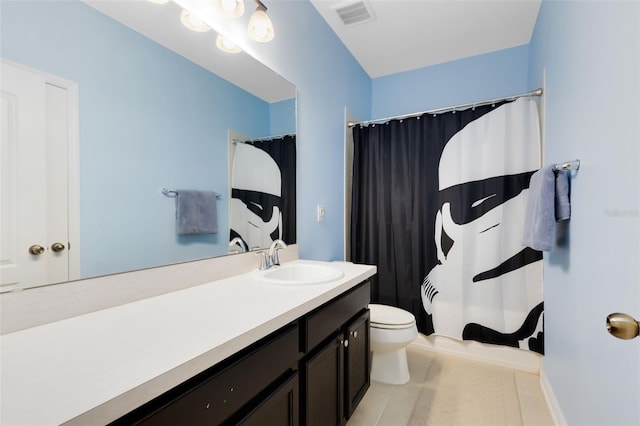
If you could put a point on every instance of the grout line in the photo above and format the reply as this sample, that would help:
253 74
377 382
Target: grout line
519 398
386 403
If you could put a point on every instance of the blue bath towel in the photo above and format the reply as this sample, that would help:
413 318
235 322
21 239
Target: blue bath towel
196 212
540 223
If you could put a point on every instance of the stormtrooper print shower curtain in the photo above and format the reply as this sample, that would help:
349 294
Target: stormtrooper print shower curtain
263 192
439 204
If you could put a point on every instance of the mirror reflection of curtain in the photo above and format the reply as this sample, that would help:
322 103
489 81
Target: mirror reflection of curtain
263 192
438 206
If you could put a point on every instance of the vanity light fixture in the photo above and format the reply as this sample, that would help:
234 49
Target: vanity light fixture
230 8
260 26
194 23
227 45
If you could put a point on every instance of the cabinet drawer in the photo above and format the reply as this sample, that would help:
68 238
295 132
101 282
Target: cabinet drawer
328 318
220 396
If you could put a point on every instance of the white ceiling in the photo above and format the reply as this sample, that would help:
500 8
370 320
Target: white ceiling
410 34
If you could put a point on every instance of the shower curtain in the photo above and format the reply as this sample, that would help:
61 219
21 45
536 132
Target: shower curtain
438 205
263 191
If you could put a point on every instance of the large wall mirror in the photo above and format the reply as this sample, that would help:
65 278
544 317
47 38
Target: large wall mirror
160 106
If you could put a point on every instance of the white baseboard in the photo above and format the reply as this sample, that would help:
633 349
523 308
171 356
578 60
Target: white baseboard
552 402
502 356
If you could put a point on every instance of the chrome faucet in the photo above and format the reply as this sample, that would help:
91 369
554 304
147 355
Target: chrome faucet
271 259
237 241
273 251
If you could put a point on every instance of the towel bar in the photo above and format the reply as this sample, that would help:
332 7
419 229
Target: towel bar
569 165
170 193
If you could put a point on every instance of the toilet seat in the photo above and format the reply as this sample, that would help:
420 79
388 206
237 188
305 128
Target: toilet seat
389 317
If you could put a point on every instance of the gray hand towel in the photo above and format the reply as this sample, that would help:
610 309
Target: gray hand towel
539 223
562 203
196 212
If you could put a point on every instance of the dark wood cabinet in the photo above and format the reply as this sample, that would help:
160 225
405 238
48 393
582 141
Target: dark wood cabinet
324 385
279 407
357 362
336 373
313 371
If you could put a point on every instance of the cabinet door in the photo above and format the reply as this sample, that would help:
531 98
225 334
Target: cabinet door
357 359
280 408
323 402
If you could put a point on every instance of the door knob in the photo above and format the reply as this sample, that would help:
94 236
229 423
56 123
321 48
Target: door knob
57 247
36 249
622 326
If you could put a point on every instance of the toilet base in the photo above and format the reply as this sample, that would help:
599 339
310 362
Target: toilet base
390 367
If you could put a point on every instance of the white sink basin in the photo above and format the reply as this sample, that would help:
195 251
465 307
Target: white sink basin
299 274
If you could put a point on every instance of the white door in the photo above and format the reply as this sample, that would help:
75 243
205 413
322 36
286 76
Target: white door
34 205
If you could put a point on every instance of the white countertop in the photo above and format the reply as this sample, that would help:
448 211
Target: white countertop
93 368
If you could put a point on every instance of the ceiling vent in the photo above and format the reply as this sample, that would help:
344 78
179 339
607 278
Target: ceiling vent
353 13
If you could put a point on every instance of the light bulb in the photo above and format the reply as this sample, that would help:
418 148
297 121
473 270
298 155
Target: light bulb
230 8
192 22
227 45
228 5
260 26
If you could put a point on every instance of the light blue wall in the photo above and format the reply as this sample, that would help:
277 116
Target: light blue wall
283 117
148 119
591 54
488 76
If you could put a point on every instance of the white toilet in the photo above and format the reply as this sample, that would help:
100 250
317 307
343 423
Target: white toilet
392 329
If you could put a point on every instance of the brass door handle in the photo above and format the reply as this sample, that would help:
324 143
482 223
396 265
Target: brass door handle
36 249
57 247
622 326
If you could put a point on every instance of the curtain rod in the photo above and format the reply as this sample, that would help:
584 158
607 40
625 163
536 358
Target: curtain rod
537 92
266 138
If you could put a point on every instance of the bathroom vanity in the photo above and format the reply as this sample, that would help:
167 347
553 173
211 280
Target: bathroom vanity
234 351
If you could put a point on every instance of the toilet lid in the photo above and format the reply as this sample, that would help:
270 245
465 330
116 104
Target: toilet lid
384 315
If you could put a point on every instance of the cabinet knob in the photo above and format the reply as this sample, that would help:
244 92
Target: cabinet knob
354 333
346 343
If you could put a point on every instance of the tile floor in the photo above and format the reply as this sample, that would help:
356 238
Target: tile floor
446 390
